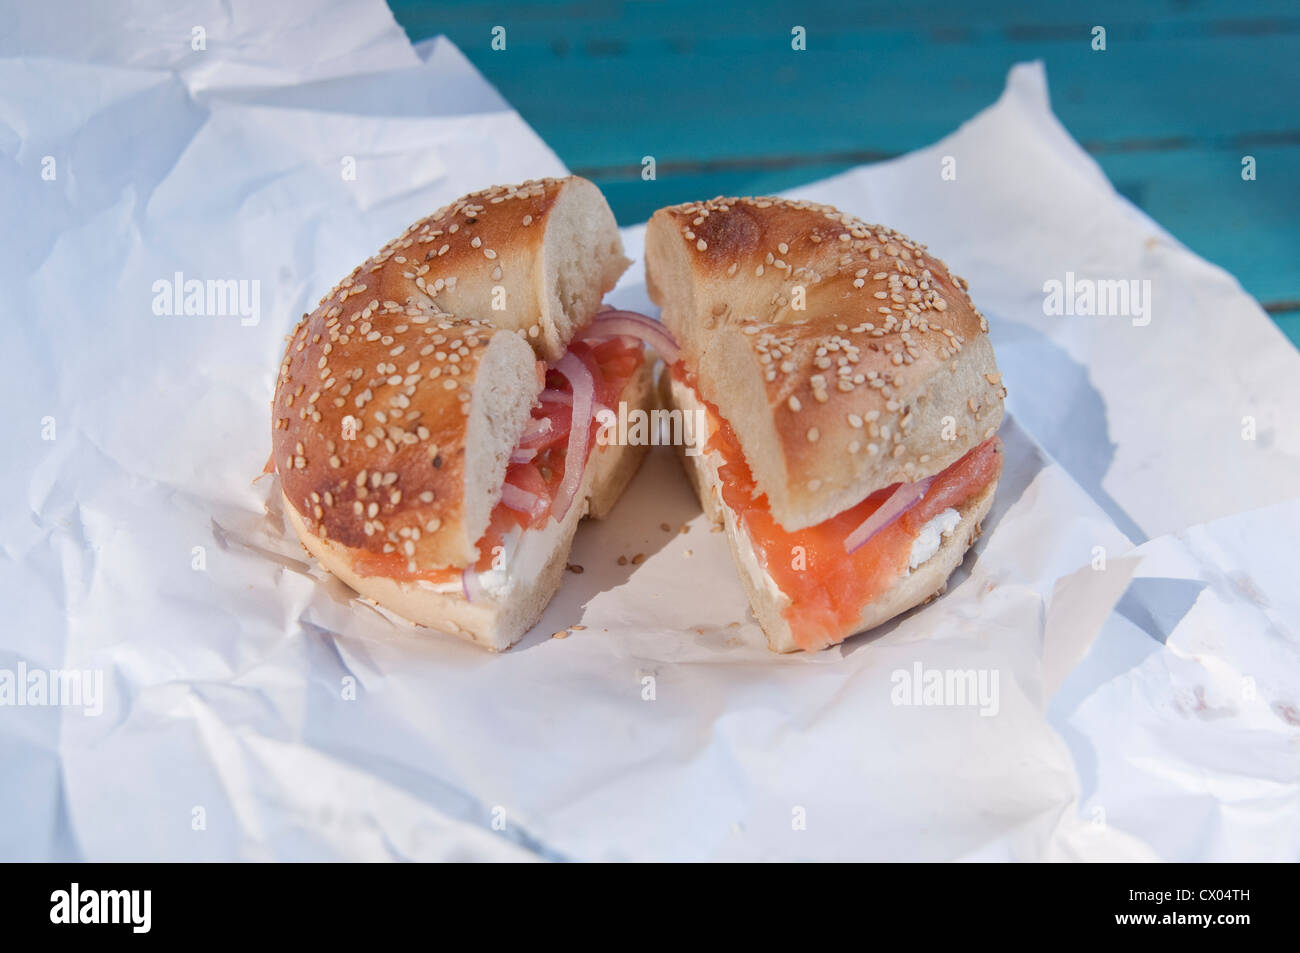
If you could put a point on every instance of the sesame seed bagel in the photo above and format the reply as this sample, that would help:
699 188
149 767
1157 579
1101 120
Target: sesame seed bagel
915 587
401 397
498 619
843 355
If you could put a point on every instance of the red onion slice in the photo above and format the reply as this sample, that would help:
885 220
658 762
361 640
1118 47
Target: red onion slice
613 322
521 501
575 458
523 455
899 502
556 396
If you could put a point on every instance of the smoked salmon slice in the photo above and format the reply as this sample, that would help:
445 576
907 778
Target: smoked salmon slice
828 588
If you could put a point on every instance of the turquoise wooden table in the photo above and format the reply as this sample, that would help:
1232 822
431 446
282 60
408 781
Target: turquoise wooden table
1182 93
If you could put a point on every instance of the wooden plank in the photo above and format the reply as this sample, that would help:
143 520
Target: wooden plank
790 105
1247 228
714 92
422 18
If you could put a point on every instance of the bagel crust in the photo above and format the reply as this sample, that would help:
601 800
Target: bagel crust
844 356
401 397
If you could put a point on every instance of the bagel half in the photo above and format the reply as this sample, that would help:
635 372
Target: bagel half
845 360
503 610
837 350
773 607
402 396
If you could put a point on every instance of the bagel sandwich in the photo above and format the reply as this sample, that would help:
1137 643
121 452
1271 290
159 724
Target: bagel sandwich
433 422
852 401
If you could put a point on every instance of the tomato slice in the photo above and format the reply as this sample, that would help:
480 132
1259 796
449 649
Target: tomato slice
560 416
528 478
617 360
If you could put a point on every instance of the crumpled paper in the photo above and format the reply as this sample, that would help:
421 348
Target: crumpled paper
1127 609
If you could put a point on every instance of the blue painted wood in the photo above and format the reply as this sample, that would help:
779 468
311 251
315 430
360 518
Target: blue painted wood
715 93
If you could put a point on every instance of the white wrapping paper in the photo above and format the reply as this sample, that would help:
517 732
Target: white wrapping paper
252 709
